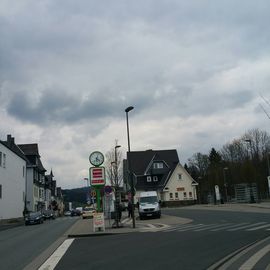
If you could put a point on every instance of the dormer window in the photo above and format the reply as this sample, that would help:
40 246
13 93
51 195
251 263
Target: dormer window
148 179
155 178
158 165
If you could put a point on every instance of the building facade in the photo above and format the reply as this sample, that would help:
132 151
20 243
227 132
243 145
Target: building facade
161 171
12 180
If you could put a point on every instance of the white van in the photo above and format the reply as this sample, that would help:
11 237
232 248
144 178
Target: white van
148 204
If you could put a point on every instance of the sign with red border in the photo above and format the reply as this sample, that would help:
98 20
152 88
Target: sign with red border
97 176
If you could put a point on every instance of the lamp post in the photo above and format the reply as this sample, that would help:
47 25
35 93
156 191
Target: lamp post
250 187
117 216
127 110
225 183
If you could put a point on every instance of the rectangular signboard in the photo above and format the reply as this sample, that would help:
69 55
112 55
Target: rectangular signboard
98 222
97 176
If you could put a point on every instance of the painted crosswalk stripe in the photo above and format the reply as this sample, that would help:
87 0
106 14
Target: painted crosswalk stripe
53 260
259 227
209 227
191 228
174 228
247 226
228 227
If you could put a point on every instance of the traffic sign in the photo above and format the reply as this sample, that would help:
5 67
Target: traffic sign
108 189
93 193
97 176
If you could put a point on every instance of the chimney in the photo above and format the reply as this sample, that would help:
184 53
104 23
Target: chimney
10 140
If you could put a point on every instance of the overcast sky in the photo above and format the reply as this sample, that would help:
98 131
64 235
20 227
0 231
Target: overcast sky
193 70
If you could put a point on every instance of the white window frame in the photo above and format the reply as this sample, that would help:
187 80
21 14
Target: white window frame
0 159
180 176
148 179
155 178
158 165
0 191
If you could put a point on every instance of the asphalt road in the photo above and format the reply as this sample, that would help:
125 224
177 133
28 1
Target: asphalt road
21 245
175 249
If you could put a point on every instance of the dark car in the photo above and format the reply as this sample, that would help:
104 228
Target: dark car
48 214
34 218
75 212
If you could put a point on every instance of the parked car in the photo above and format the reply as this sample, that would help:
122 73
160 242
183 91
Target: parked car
34 218
48 214
75 212
67 213
88 212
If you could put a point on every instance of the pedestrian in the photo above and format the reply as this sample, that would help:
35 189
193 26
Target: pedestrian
129 209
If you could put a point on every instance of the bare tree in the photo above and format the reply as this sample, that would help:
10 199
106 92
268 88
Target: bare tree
114 166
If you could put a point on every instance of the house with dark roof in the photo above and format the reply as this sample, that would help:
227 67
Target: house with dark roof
161 171
12 179
35 180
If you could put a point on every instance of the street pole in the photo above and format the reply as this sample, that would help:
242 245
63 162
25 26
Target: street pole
250 187
225 183
127 110
116 187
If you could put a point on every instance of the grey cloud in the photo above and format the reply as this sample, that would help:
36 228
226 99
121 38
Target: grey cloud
60 107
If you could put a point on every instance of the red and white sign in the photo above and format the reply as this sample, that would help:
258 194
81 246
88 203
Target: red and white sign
97 176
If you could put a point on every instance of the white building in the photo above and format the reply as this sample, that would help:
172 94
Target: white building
35 182
161 171
12 180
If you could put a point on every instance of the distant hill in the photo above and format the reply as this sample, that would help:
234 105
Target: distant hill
78 196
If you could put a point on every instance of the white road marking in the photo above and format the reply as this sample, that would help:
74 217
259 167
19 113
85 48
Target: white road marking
191 228
247 226
229 260
250 263
53 260
228 227
208 227
257 228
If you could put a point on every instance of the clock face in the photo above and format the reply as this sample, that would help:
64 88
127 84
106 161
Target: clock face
96 158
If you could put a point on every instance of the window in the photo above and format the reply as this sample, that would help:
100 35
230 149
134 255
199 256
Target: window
148 179
158 165
179 176
0 159
176 195
190 194
0 191
4 160
171 196
185 194
23 171
155 178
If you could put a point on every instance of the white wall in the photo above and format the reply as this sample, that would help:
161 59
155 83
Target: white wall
13 185
180 186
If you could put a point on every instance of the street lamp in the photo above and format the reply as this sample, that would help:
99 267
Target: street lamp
127 110
225 182
117 216
250 185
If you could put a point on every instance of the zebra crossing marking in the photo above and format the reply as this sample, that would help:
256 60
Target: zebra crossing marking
229 227
245 227
258 228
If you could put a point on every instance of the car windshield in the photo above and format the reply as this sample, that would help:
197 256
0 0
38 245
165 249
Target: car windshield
150 199
88 209
33 214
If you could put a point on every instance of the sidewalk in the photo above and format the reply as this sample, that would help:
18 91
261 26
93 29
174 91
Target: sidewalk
84 227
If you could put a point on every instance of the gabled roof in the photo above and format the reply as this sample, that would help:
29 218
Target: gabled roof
30 149
10 144
141 162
